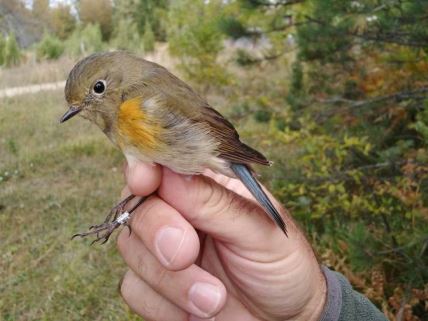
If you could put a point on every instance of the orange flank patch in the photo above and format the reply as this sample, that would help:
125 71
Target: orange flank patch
135 128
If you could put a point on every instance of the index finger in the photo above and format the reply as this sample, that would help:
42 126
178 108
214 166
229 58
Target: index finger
222 213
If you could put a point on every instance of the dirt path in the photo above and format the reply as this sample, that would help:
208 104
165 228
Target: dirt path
31 89
160 56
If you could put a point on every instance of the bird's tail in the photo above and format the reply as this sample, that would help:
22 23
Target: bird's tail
246 176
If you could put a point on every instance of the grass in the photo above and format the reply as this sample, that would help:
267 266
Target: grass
31 73
55 180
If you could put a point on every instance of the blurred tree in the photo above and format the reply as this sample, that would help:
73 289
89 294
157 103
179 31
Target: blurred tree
12 53
152 13
124 8
148 38
50 47
126 35
194 37
14 5
142 12
40 8
84 41
62 21
97 12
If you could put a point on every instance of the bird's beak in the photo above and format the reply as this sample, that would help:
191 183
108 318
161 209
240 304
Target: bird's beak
73 110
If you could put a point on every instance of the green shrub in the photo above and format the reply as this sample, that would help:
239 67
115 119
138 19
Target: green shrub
126 36
262 116
232 27
11 53
148 38
50 47
84 41
194 37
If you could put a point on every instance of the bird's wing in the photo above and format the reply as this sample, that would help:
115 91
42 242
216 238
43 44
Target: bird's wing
230 147
179 96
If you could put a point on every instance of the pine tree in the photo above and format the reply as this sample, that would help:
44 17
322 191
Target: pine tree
12 53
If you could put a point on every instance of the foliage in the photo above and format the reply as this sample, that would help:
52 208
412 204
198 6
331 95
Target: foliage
11 53
148 38
50 47
351 105
153 12
232 27
193 36
84 41
97 12
62 21
143 12
126 36
40 8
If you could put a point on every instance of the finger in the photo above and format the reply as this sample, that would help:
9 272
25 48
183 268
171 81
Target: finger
146 302
232 184
222 213
235 185
165 233
142 178
193 289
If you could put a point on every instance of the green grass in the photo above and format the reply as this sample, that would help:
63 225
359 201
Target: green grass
55 180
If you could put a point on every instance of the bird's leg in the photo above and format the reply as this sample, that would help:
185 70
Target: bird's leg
115 211
121 217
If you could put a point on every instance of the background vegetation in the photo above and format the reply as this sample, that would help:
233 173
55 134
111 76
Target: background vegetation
335 92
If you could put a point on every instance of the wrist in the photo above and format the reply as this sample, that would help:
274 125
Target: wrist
314 307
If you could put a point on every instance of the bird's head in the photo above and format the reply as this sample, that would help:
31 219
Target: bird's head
99 83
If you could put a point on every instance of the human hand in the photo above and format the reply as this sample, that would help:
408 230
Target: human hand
201 247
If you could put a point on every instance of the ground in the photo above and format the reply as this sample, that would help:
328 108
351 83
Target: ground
55 180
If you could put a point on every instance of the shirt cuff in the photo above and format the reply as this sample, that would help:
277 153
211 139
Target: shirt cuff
333 304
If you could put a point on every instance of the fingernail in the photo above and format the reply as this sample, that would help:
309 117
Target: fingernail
205 298
168 242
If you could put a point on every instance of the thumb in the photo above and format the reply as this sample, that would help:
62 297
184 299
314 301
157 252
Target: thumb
142 178
221 213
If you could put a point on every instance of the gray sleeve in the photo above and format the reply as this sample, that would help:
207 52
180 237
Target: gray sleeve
345 304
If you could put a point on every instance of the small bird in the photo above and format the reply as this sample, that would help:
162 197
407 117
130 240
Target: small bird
153 116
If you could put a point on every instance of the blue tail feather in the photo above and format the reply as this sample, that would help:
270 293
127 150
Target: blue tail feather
245 175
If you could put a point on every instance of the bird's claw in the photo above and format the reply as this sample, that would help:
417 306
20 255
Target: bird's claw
102 231
120 217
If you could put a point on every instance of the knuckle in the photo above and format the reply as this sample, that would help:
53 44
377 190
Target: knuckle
213 198
145 308
141 267
159 278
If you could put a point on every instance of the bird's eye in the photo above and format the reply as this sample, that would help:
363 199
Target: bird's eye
99 87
